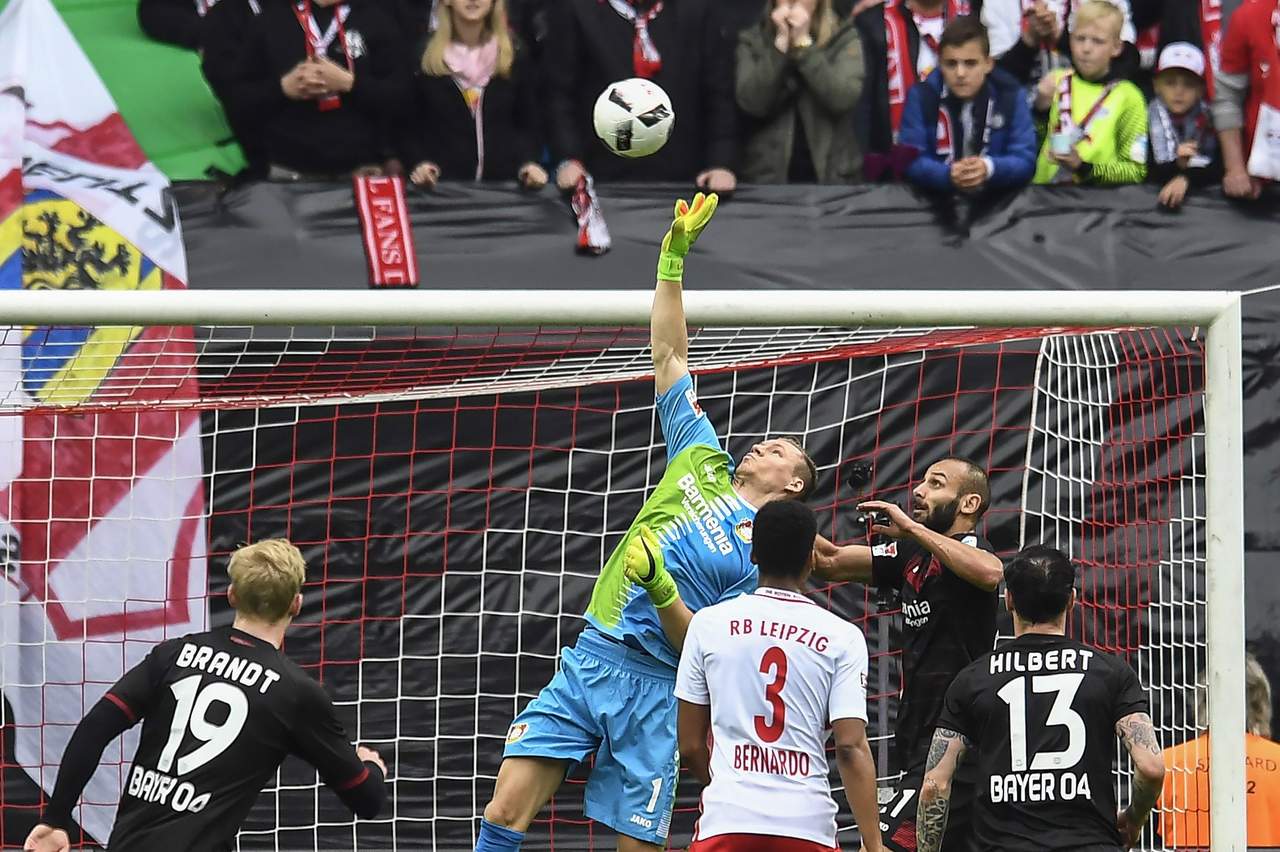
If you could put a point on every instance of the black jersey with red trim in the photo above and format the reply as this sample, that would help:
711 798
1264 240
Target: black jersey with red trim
221 710
947 623
1041 712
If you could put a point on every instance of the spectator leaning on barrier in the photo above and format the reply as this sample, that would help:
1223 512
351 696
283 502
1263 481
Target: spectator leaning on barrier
680 45
325 78
799 75
969 121
1246 104
1097 128
900 38
474 114
1184 150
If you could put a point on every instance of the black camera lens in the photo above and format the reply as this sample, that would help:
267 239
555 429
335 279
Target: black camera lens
873 518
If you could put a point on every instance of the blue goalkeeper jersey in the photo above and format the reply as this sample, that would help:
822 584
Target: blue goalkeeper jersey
703 526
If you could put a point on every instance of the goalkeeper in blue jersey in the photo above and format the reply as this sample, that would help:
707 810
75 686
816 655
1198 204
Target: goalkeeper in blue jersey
689 547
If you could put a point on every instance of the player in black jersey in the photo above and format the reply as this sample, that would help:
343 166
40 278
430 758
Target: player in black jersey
221 711
1038 717
946 577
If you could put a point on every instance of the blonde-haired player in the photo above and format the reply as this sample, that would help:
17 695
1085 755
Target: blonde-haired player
220 712
766 674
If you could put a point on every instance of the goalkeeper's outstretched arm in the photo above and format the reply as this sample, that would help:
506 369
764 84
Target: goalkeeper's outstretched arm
668 332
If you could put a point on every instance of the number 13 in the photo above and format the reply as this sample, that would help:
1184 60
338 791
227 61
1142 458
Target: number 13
1064 686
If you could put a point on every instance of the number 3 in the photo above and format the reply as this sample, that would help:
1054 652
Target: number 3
774 658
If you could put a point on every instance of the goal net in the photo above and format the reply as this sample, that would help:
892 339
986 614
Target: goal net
456 490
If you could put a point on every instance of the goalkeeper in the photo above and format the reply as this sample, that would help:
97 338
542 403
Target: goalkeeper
689 547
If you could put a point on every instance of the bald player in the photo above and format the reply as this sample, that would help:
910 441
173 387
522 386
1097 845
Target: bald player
945 575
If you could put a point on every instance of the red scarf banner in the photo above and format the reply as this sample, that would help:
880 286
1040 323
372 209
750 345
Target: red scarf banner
900 64
318 42
387 232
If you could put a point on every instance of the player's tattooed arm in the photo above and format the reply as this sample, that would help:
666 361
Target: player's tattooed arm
1139 738
945 754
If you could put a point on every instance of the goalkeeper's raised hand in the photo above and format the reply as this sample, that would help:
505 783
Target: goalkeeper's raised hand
643 564
690 218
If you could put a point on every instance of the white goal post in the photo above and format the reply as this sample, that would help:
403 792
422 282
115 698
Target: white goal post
1217 314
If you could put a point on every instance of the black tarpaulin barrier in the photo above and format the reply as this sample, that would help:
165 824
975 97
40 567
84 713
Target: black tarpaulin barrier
885 237
452 542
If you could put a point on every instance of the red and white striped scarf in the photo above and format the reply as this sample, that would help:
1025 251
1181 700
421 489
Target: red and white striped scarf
900 68
1211 33
945 137
644 53
1066 121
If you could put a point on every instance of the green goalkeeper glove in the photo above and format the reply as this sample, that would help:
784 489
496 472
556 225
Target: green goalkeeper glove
687 225
643 565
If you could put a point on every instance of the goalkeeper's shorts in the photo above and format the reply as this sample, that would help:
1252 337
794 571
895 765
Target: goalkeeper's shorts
757 843
616 702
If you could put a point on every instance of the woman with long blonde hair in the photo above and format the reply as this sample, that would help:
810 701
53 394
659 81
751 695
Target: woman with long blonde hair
474 115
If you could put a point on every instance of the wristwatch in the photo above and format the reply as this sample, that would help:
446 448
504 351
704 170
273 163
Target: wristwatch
1085 172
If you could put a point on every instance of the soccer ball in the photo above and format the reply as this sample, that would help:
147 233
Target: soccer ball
633 117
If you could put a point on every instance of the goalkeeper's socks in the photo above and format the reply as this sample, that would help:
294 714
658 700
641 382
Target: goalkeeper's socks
495 838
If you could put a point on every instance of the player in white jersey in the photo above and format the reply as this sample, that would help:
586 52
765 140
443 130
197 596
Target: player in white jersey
767 674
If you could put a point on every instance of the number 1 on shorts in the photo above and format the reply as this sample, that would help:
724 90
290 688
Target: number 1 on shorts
657 791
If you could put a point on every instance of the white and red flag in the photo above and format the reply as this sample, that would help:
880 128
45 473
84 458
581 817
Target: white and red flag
102 516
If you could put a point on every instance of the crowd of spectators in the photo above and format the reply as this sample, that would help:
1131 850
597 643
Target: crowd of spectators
961 98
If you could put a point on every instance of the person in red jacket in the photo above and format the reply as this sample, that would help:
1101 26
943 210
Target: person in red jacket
1246 104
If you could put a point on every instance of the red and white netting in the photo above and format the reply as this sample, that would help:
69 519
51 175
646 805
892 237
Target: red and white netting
456 490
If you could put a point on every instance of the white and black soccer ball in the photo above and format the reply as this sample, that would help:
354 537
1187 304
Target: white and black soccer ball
634 117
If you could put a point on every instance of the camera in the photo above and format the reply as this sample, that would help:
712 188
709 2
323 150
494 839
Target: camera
858 475
866 520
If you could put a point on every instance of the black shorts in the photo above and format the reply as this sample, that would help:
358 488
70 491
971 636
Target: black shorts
898 816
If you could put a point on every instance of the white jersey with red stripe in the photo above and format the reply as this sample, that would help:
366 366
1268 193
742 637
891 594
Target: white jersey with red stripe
776 669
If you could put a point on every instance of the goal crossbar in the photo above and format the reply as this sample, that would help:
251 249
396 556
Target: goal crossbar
875 308
1218 313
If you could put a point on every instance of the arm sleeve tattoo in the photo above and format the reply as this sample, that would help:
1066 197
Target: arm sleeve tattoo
1139 738
945 753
